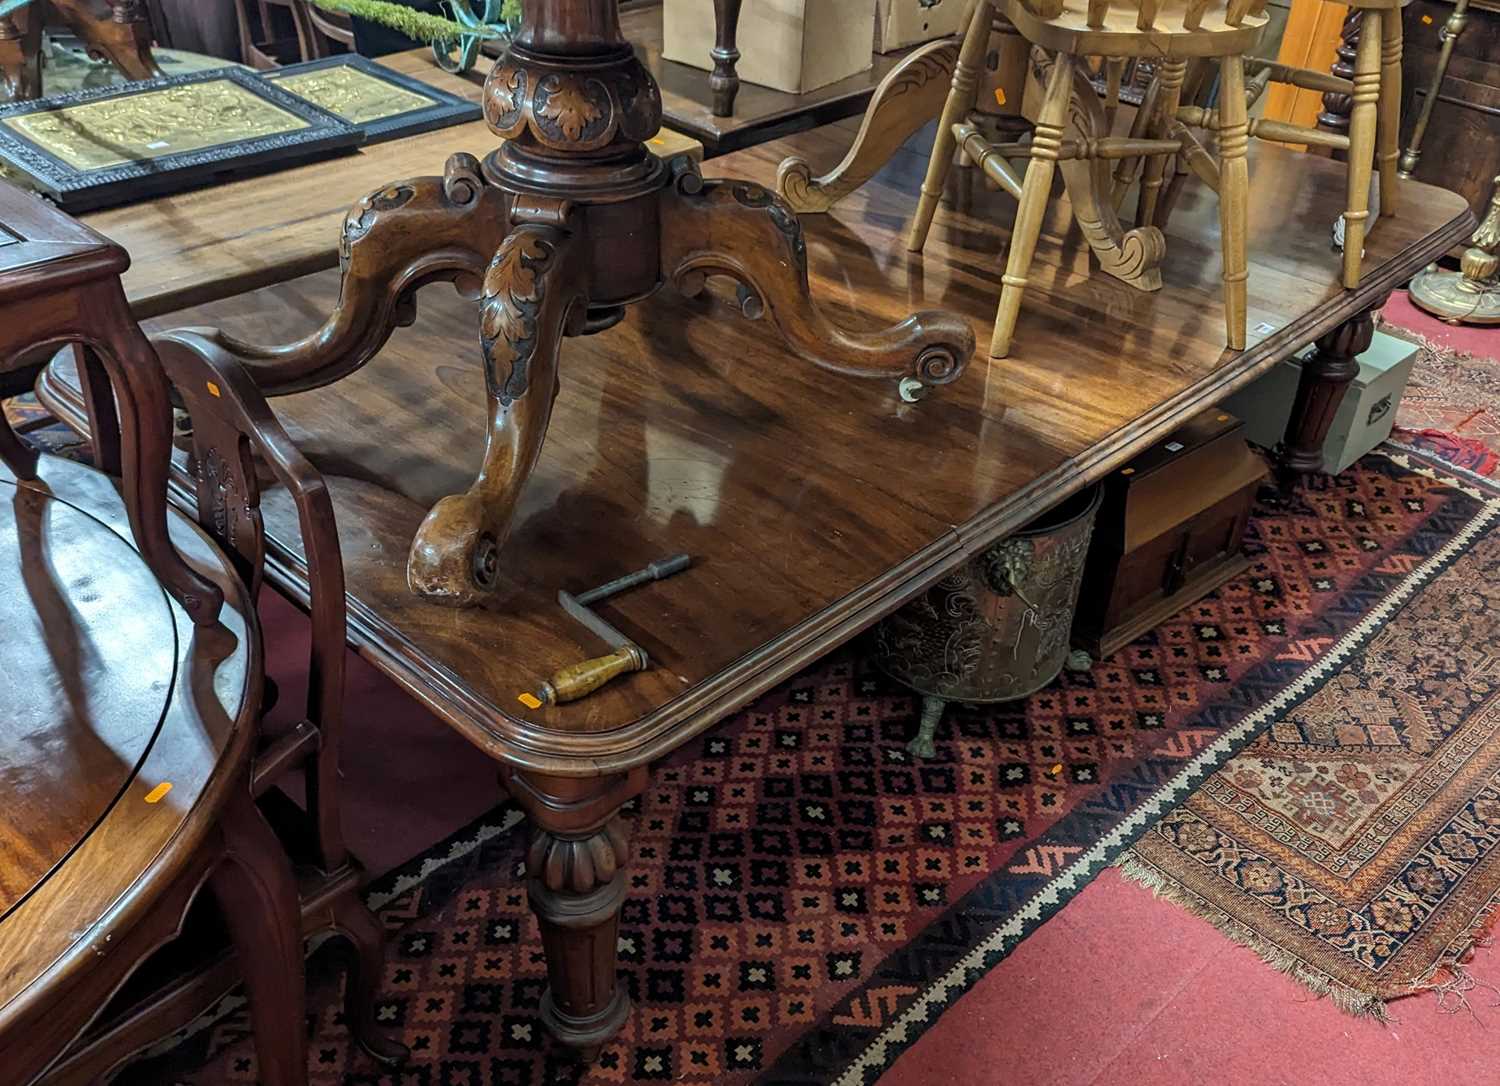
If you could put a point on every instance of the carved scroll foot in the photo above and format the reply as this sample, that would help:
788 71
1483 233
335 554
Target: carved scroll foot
531 295
1132 256
910 95
575 880
743 231
122 35
395 240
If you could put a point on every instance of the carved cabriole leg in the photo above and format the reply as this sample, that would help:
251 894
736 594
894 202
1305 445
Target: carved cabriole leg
739 229
907 98
960 101
257 892
122 37
1362 123
1170 74
724 81
20 54
532 291
366 937
407 234
1234 196
1132 256
1045 144
1388 109
1325 377
575 870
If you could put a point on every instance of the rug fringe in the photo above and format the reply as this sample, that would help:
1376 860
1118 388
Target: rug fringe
1347 999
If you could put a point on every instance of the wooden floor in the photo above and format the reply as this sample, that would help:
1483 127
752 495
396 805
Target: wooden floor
811 503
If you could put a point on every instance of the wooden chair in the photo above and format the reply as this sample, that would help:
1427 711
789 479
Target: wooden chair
132 689
1170 31
236 440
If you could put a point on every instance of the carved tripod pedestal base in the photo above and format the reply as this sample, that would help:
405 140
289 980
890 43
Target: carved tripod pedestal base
565 224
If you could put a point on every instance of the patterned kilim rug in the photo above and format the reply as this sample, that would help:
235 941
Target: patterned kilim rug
1355 845
805 900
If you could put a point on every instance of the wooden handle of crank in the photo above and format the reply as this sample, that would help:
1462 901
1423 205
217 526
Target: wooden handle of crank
581 679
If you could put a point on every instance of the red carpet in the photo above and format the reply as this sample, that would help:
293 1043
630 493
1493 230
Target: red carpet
1122 989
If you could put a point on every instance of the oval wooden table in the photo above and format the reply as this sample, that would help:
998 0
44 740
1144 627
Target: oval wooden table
125 742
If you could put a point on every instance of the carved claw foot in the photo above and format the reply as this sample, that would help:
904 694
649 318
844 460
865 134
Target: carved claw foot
910 95
744 231
531 296
395 241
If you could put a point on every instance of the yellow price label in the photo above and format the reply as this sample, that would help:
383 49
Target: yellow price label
528 699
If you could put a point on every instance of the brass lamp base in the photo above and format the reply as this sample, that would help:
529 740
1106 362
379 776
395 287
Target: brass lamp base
1450 296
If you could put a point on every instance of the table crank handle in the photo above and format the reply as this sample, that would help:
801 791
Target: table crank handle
582 679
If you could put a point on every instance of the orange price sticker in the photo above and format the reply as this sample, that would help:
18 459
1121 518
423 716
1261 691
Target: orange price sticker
999 96
1427 19
528 699
157 794
213 389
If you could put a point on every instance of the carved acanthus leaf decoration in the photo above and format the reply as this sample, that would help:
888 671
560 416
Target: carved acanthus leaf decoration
569 108
513 288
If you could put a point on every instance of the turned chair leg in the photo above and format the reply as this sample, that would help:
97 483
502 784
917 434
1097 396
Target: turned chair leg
1046 142
1164 116
1362 122
1388 108
1234 196
961 99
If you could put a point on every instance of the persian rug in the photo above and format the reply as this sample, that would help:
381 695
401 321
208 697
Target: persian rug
1355 843
1449 407
805 899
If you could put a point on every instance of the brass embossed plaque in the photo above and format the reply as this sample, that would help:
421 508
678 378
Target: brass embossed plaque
356 96
108 145
139 127
384 103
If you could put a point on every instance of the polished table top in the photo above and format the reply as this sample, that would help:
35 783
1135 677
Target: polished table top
812 504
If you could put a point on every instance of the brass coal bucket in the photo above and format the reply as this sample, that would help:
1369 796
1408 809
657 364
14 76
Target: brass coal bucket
998 627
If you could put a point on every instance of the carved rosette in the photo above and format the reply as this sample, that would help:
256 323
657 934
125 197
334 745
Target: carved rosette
571 111
578 865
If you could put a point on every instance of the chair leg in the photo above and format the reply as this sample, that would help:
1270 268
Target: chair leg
1234 195
1171 75
362 984
1046 142
1362 119
1388 108
257 892
956 109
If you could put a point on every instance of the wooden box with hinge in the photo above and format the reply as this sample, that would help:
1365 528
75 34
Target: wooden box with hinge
1171 530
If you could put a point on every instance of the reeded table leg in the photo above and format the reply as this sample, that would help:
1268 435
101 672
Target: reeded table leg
575 880
1325 377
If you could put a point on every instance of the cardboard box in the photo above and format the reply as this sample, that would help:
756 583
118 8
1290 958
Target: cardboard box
1365 416
792 45
902 23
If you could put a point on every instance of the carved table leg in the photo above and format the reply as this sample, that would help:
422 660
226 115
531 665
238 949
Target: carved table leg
395 240
744 231
724 81
121 36
575 871
20 55
1325 377
531 292
911 94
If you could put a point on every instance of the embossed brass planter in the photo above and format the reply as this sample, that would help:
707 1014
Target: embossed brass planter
997 628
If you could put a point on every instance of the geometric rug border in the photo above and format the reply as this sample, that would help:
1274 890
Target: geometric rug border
867 1064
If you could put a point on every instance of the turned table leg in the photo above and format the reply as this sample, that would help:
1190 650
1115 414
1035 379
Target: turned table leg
1325 377
575 881
724 81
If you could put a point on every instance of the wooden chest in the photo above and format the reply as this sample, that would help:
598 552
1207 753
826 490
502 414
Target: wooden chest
1171 529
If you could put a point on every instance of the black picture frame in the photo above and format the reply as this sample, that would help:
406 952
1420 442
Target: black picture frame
77 190
445 109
